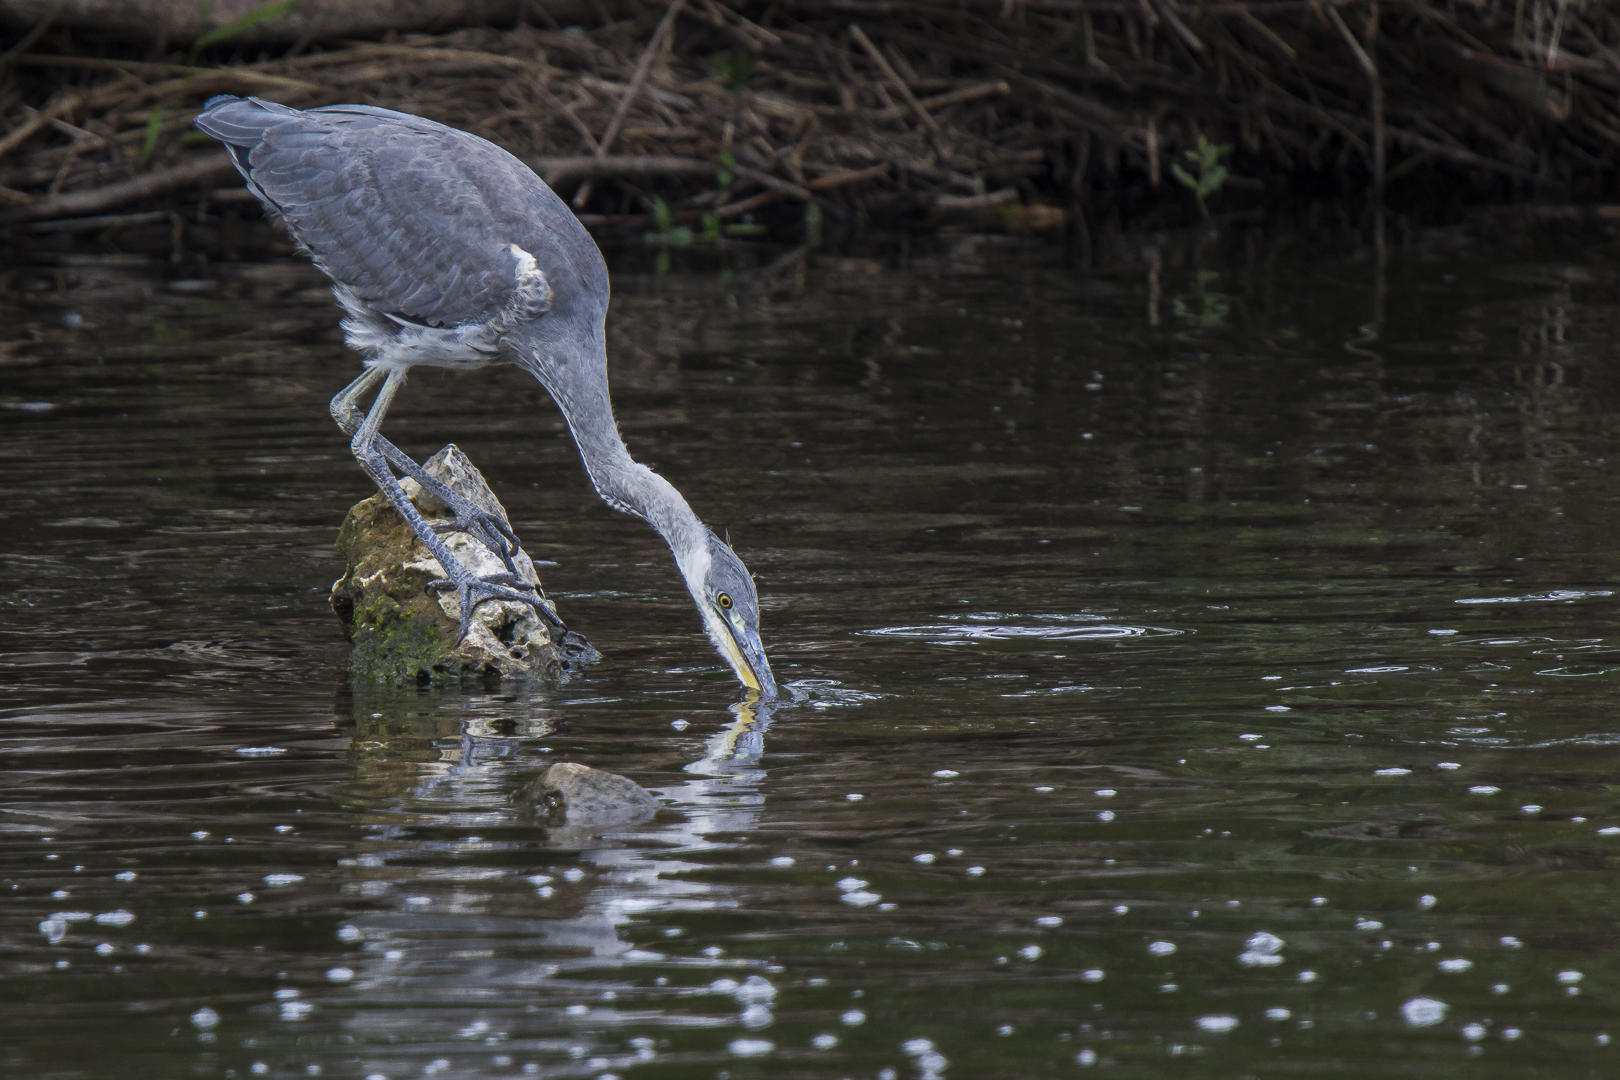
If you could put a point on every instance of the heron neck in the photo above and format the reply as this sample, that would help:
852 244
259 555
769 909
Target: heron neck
623 483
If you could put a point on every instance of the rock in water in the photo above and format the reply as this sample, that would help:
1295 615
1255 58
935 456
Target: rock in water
402 631
588 800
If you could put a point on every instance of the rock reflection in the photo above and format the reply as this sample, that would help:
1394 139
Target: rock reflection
528 917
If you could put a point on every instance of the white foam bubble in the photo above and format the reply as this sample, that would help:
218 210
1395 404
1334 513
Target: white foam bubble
1424 1012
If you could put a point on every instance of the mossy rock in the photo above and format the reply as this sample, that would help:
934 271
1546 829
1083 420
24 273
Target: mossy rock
404 632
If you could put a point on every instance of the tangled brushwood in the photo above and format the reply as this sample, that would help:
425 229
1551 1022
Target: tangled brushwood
707 114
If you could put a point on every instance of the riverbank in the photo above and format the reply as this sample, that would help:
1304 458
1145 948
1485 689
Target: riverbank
796 120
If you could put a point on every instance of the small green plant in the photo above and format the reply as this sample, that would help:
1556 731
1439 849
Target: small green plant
1211 173
154 128
231 29
668 235
732 69
728 168
1208 309
812 224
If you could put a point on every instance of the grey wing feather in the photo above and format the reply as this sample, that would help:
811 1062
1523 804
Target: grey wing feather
417 219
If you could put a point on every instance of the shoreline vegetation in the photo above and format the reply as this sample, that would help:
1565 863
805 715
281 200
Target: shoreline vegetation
731 118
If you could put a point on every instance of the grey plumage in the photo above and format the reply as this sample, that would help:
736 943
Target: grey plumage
446 250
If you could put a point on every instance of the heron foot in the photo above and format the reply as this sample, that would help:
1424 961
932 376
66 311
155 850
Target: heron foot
489 529
472 590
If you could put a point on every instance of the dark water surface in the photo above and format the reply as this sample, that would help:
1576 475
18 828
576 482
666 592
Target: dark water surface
1203 665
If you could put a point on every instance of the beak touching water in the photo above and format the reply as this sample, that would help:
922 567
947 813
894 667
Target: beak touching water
746 655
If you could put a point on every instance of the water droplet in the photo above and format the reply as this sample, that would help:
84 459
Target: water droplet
205 1019
1490 789
975 871
1278 1014
1510 942
679 725
1092 975
1086 1057
1473 1032
824 1042
751 1047
1162 948
1456 965
1216 1023
1049 920
1427 901
854 796
1105 793
339 974
1570 978
1448 765
1424 1012
925 858
946 774
1392 772
1105 815
276 881
1369 924
782 860
1031 952
852 1018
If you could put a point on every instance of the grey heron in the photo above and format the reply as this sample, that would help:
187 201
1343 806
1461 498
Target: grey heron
445 250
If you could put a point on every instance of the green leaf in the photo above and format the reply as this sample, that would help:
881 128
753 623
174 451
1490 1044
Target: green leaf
252 18
661 215
679 236
746 230
728 168
812 224
1183 177
711 227
661 263
154 128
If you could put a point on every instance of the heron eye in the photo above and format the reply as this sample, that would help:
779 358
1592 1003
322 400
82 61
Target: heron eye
724 600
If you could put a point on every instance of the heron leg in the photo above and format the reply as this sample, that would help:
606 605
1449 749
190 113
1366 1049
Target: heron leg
495 533
470 589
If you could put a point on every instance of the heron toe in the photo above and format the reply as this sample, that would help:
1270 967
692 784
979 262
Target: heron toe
472 590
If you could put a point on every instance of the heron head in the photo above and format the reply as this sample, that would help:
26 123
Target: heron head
725 596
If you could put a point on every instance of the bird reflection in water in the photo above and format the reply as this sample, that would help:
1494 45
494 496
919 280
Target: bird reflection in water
497 917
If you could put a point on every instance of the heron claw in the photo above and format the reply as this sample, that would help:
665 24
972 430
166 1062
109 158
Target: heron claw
489 529
472 591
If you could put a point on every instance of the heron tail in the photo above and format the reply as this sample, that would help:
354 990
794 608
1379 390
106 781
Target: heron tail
240 123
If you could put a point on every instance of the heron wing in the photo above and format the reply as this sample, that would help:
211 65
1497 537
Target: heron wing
416 218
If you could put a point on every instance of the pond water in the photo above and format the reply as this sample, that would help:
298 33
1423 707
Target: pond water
1202 663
